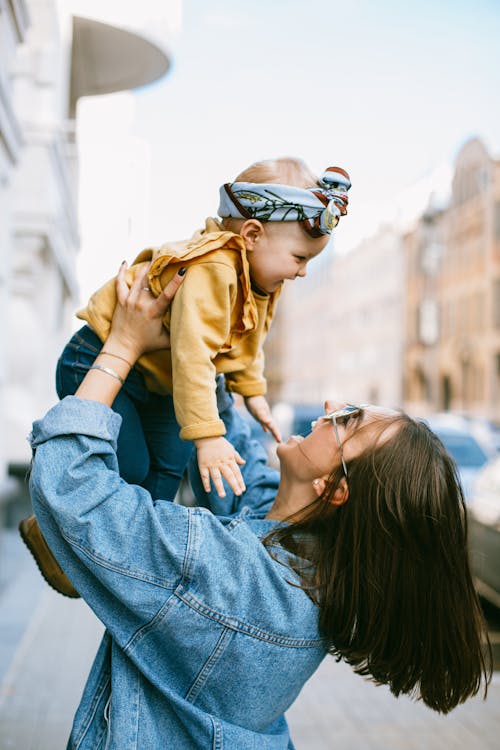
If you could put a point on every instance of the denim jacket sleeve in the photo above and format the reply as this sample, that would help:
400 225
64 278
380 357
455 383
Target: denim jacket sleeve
124 553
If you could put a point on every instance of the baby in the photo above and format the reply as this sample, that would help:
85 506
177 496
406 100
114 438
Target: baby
274 218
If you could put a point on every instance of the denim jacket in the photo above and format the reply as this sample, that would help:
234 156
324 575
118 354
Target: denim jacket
207 643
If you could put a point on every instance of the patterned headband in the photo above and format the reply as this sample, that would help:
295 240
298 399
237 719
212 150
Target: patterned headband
317 208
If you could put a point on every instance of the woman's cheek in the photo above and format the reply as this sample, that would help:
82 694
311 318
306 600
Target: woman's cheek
316 457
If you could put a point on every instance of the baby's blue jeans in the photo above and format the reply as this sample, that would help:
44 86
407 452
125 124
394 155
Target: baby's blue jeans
150 451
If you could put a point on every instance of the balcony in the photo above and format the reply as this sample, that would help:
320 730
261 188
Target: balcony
106 58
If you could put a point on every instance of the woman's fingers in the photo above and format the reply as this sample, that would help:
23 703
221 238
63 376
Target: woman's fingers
122 289
167 295
140 283
130 294
126 293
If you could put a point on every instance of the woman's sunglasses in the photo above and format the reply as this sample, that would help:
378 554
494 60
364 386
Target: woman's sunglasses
340 416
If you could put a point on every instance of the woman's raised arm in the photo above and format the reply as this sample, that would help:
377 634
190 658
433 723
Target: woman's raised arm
136 328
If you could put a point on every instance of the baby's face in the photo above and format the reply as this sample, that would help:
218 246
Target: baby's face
283 252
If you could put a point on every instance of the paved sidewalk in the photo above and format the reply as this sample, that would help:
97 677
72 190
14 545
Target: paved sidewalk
47 643
338 710
53 644
43 685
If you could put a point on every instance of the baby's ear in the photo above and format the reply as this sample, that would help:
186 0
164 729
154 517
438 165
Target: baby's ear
252 232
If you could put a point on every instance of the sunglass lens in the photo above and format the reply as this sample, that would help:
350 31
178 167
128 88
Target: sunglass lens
344 418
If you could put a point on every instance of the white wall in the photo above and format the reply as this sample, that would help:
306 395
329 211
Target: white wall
13 22
42 214
43 221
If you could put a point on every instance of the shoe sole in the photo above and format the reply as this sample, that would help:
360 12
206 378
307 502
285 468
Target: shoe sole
32 552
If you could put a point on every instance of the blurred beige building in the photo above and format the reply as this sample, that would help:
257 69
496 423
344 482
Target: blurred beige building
452 358
339 332
50 56
366 321
295 348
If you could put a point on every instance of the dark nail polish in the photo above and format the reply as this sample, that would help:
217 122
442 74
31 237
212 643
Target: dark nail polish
182 271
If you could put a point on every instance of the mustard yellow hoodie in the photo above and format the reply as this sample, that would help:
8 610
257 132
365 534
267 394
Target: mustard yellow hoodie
217 324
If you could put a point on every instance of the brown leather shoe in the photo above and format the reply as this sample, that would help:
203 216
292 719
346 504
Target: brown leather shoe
47 563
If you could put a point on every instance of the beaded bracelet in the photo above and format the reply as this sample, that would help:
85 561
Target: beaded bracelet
108 371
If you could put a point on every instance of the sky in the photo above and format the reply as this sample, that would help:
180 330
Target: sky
388 90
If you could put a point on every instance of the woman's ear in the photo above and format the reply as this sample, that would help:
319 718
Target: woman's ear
340 495
252 232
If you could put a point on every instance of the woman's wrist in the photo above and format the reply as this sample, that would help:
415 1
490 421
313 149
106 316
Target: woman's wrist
118 348
109 371
117 356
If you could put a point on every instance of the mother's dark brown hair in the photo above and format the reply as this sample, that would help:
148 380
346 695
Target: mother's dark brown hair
390 571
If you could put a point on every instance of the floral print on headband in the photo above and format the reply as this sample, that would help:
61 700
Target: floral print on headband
318 208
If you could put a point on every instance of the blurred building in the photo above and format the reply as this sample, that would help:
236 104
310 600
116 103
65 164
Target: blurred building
296 343
452 358
50 57
365 322
339 332
275 348
14 22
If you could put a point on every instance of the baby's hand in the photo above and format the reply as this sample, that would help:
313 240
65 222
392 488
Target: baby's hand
259 409
216 459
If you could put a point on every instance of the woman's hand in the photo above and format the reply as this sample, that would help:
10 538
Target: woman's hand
137 325
259 409
216 459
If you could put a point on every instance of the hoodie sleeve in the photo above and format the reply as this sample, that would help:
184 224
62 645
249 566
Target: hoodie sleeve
200 326
250 381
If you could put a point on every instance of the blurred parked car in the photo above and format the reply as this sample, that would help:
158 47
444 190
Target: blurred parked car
295 419
469 454
486 432
484 531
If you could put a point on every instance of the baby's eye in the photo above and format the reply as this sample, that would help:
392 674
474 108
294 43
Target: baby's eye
300 258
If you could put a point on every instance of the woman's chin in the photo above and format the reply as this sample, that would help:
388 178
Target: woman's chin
282 447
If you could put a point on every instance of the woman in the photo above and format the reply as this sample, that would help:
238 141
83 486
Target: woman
214 624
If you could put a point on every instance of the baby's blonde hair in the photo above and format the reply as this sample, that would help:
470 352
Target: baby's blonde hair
283 171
